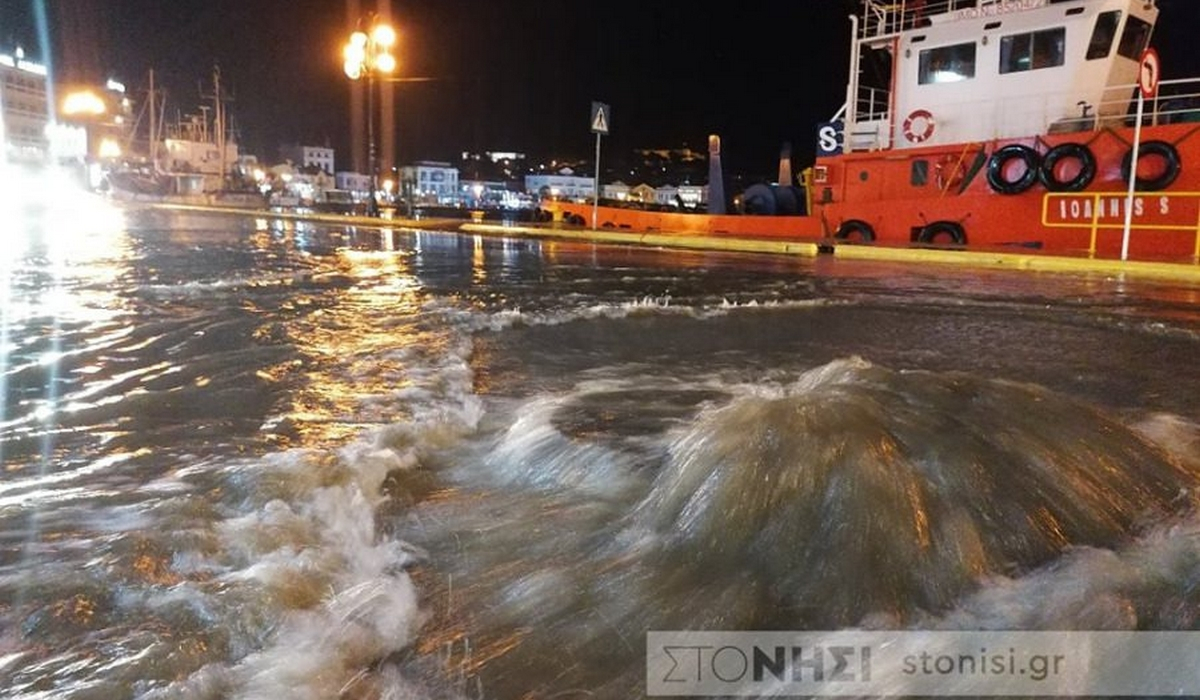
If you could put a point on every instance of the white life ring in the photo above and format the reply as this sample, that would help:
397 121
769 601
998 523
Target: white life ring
922 119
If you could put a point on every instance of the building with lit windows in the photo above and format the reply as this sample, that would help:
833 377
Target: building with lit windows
24 109
618 191
562 185
94 124
429 182
309 157
693 196
357 183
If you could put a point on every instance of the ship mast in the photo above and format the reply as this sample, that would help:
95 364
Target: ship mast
153 107
219 122
152 99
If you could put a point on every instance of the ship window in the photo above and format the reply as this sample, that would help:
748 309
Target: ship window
1032 51
947 64
920 173
1135 39
1103 35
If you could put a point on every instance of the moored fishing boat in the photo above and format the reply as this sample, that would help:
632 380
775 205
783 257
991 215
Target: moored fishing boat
992 124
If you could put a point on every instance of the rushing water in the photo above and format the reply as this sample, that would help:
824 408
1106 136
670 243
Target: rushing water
250 458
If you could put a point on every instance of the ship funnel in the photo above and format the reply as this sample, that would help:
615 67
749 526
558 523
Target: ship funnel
716 181
785 166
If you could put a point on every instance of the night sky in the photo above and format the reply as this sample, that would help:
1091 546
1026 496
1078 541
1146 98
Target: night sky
505 74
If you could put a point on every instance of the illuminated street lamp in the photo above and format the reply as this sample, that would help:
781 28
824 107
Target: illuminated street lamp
365 55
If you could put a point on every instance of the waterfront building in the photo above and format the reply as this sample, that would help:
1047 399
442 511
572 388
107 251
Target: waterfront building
617 191
667 195
643 193
429 182
490 194
77 125
309 157
693 196
562 185
24 109
358 183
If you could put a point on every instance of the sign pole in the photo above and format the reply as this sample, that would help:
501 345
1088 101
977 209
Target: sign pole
1133 168
1149 70
601 114
596 198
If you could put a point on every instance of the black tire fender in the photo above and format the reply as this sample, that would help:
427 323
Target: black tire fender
999 162
855 230
1158 148
940 229
1068 151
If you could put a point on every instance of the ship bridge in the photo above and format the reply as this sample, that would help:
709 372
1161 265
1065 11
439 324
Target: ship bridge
927 72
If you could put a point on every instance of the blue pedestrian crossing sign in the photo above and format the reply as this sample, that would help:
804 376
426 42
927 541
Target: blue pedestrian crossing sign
600 118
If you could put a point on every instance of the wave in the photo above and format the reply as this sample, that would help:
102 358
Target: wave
503 319
853 496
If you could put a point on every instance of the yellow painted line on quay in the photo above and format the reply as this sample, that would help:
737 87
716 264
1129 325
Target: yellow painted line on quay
664 240
1037 262
1040 262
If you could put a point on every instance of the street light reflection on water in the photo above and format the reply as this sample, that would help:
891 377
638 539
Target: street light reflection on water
355 462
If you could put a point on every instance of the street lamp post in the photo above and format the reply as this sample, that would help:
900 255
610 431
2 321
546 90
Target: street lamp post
366 54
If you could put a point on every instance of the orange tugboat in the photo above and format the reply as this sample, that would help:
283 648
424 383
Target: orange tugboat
997 124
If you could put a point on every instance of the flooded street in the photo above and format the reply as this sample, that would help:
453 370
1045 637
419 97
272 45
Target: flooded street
246 457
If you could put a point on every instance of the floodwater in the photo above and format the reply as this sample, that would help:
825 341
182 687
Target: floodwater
253 458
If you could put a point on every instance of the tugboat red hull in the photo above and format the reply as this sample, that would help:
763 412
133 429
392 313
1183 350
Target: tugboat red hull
1062 194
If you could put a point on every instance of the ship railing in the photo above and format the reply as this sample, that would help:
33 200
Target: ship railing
872 103
1177 101
886 17
868 128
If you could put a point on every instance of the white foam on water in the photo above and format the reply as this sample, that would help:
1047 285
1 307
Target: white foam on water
504 319
1177 435
534 453
194 289
299 578
311 595
1150 584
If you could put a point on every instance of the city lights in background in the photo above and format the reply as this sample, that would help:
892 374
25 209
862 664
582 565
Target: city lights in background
17 60
83 103
109 148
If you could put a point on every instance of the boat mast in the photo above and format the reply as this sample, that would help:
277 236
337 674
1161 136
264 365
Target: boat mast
152 99
218 123
219 120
